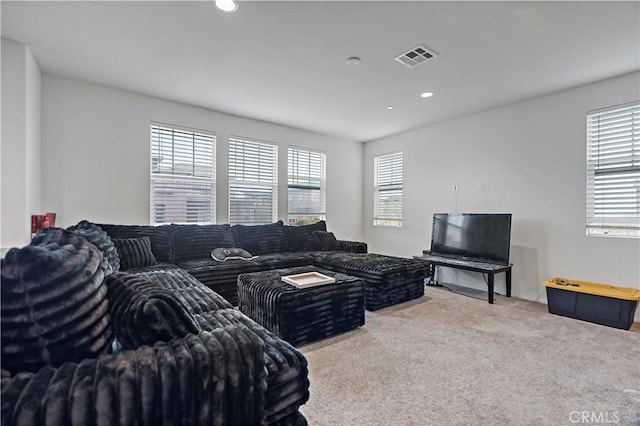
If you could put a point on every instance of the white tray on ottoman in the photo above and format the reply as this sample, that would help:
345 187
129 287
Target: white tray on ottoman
308 279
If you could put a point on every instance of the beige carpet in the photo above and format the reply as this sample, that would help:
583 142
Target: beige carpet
447 359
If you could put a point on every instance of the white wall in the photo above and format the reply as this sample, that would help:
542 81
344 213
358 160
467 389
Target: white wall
33 146
96 155
21 143
530 157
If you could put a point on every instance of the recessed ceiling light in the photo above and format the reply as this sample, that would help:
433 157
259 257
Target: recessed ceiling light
426 94
390 107
353 60
227 5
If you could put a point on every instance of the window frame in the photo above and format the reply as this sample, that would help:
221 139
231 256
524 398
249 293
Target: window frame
394 185
322 188
613 171
182 179
240 184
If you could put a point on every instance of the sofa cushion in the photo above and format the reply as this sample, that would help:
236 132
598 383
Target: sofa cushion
54 302
389 280
161 243
159 266
260 239
352 246
374 268
134 252
143 312
300 238
96 236
192 242
325 241
222 277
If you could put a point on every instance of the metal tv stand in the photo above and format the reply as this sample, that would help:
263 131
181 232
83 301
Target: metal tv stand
486 268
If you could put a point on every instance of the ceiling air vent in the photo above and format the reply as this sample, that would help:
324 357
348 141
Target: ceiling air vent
416 56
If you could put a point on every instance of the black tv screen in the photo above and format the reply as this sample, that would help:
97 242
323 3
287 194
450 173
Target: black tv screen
472 236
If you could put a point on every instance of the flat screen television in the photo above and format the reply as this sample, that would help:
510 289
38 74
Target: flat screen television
481 237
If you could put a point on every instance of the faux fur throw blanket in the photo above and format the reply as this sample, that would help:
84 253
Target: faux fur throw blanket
142 312
196 296
54 302
212 378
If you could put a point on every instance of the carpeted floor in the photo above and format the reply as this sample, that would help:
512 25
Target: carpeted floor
448 359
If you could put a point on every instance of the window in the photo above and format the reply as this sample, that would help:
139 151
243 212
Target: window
387 190
253 181
306 186
613 171
182 175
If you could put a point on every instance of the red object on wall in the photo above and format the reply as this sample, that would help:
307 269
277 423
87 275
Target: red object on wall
37 222
41 221
49 220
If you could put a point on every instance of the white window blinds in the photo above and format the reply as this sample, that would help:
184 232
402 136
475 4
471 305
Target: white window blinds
613 171
182 175
253 181
306 186
387 190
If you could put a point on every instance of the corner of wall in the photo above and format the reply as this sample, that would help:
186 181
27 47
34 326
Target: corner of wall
20 142
33 137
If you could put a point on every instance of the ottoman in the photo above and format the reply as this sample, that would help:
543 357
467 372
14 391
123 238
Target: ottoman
302 315
388 280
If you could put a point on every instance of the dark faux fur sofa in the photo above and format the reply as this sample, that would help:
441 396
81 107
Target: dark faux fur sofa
181 353
189 247
388 280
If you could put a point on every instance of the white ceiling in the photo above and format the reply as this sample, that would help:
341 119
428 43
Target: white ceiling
284 62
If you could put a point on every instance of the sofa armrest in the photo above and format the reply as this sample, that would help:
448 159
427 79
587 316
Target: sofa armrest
212 378
353 246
